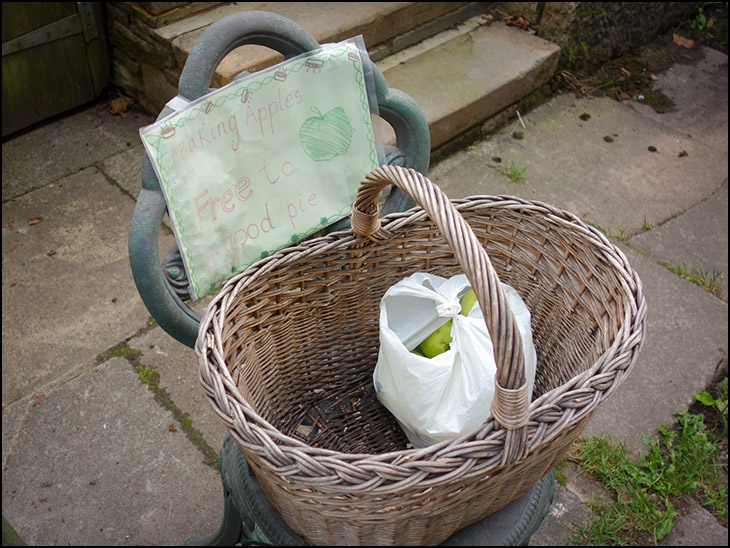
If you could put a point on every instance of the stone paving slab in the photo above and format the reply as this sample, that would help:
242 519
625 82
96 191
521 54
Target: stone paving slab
697 89
686 339
77 247
74 142
98 462
177 366
620 185
678 242
566 513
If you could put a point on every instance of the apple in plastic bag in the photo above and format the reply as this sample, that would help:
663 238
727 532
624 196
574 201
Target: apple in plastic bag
467 302
438 342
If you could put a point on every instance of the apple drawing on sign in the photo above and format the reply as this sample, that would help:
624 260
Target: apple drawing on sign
326 136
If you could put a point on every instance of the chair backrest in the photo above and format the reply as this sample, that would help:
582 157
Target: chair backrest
163 286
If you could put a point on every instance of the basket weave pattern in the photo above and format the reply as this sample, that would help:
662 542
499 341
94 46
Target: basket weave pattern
287 351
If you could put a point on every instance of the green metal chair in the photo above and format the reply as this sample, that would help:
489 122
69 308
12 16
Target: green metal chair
248 516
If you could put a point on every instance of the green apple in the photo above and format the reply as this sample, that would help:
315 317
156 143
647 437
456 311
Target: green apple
467 302
438 341
417 352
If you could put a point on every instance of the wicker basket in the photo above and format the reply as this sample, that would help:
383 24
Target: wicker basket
287 351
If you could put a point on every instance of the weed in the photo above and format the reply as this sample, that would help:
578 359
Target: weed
703 278
679 463
514 173
646 225
147 375
620 234
700 22
719 402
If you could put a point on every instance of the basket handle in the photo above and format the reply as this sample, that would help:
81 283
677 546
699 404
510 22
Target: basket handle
511 401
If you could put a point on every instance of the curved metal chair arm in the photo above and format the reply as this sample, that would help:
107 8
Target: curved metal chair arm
163 286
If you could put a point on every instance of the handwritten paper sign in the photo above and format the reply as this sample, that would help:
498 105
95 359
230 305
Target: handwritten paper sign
264 162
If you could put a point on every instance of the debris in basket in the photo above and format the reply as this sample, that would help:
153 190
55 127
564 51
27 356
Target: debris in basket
304 430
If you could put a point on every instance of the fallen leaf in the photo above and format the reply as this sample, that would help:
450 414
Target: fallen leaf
34 219
518 21
120 105
682 41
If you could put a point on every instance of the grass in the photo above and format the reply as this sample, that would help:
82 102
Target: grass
514 173
682 462
621 234
708 281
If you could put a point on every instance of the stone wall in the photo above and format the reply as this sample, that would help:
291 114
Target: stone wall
591 33
142 60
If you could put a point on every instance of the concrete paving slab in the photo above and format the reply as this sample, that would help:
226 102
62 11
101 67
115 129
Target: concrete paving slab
67 288
177 366
566 514
697 89
686 339
125 169
696 239
99 462
616 182
49 152
696 527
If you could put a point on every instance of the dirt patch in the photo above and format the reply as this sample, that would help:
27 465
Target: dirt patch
632 76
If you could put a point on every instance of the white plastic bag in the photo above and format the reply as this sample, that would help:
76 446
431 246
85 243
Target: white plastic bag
443 397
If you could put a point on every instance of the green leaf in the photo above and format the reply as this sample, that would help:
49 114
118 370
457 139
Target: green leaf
666 524
705 398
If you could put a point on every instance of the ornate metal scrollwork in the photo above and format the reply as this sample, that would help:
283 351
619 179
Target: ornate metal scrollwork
174 271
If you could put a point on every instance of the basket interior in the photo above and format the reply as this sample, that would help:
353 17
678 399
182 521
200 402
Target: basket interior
301 342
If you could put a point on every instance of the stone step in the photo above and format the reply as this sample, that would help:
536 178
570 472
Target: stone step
149 47
386 27
464 76
460 66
